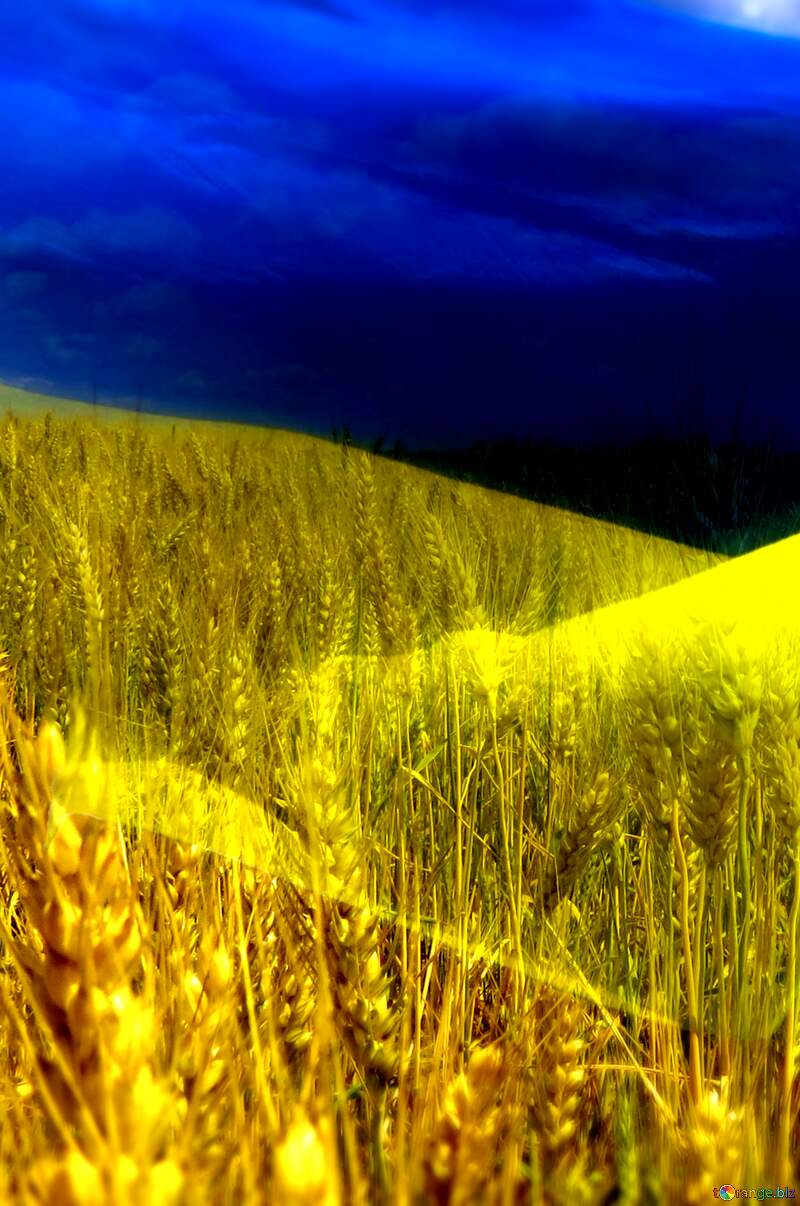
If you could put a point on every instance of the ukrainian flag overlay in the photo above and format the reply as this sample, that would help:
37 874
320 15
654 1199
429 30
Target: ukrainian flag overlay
368 836
399 581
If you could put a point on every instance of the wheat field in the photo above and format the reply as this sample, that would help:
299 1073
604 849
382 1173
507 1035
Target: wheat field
337 867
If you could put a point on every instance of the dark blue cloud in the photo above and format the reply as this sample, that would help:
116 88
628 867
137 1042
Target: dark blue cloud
399 213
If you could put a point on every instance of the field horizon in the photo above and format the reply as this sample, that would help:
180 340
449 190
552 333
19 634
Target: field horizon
726 497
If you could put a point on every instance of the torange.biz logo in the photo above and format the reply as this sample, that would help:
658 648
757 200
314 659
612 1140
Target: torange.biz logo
729 1192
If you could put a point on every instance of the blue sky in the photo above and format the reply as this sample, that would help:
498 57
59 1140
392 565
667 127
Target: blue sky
574 218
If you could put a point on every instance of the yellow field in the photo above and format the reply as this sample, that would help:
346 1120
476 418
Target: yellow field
368 837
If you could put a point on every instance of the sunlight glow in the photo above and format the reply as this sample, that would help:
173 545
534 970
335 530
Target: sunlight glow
769 16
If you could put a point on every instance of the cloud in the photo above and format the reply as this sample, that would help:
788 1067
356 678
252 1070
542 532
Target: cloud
98 233
615 172
144 347
30 317
301 219
24 284
152 297
192 93
711 227
626 264
547 14
37 385
68 349
768 16
48 236
153 228
323 8
192 381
